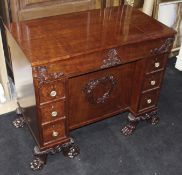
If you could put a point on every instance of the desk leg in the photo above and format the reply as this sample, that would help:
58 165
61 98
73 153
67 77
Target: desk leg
151 117
69 150
20 121
40 159
130 127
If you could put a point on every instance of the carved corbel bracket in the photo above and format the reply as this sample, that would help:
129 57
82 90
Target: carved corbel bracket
111 59
164 48
41 73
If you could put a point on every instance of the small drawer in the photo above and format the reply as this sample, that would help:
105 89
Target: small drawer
54 130
148 99
152 80
156 63
52 90
50 112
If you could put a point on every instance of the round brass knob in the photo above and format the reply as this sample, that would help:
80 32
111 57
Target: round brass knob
157 64
55 133
54 113
53 93
149 101
153 82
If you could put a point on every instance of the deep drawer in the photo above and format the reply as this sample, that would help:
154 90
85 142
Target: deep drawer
156 63
51 91
54 131
152 80
52 111
148 100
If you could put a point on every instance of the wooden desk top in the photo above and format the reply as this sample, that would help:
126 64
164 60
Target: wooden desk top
61 37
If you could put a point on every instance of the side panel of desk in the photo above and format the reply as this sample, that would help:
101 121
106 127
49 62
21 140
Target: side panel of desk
22 71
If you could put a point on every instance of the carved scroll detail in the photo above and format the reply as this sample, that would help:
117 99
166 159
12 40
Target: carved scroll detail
42 74
164 48
112 59
91 85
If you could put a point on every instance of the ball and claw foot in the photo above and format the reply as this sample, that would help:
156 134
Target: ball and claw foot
154 120
37 164
150 117
129 128
19 122
71 151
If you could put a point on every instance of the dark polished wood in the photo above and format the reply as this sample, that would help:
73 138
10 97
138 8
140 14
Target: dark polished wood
90 65
58 38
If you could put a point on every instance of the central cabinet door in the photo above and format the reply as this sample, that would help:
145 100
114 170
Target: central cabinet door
98 95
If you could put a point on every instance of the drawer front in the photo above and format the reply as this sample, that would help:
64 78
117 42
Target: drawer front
51 91
54 131
156 63
105 58
152 80
148 100
53 111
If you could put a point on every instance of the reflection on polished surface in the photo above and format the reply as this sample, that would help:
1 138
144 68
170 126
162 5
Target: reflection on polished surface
114 54
60 37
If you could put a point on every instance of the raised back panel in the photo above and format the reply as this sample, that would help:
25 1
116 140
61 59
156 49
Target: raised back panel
97 95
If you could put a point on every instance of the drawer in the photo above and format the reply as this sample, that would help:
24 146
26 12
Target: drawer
156 63
152 80
105 58
51 91
54 131
50 112
148 99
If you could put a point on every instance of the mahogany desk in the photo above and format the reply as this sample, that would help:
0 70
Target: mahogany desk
84 67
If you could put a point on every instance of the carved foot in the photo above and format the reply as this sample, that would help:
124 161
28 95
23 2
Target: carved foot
154 120
129 128
38 162
151 117
70 149
19 122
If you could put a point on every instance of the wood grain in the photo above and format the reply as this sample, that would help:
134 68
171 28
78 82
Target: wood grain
99 63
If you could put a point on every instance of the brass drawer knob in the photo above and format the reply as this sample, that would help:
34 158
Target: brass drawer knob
53 93
157 64
54 113
153 82
55 133
149 101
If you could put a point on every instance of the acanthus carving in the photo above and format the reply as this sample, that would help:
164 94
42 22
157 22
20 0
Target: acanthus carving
42 74
91 85
112 59
164 48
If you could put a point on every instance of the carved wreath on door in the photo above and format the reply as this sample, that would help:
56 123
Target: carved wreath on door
105 84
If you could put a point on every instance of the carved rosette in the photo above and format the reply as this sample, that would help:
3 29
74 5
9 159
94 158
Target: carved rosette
91 86
111 59
164 48
41 73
